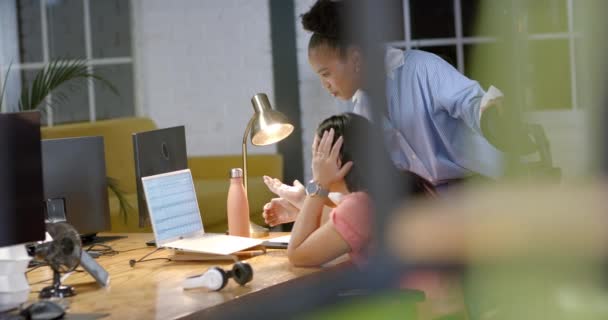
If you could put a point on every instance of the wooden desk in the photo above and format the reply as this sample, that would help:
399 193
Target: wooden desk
152 290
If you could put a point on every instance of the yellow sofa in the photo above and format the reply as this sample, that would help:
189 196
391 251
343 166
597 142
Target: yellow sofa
210 173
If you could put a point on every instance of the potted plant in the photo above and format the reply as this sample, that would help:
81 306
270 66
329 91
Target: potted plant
49 80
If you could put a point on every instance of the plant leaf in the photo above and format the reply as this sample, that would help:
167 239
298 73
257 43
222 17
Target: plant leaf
52 76
120 195
25 98
4 84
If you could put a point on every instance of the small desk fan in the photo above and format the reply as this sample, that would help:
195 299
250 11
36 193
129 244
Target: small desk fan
62 254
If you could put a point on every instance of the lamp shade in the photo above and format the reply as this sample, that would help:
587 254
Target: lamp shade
268 126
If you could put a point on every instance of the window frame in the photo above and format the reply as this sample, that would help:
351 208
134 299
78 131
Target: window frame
459 41
90 61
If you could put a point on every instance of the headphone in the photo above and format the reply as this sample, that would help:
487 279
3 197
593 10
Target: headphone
216 278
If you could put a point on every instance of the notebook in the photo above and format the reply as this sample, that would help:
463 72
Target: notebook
176 219
278 242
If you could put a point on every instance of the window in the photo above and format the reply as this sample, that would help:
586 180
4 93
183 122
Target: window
455 30
96 30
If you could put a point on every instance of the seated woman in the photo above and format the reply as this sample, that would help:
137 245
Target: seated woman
340 156
340 153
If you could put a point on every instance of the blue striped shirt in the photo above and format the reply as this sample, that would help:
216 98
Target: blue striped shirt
432 126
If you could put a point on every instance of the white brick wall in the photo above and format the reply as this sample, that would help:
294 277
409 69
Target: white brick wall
9 53
316 103
198 63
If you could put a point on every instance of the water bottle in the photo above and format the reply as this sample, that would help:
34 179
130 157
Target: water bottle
237 205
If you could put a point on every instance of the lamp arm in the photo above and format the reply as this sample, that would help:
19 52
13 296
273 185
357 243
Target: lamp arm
244 151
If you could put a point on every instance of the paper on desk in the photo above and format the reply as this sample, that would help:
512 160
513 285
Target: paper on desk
283 239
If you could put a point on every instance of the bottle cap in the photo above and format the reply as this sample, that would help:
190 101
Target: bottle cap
236 173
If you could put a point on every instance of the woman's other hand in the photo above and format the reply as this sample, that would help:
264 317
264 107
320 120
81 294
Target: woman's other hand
294 194
279 211
326 165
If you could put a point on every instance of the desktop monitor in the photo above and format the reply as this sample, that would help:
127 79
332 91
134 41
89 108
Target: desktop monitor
21 191
157 151
75 183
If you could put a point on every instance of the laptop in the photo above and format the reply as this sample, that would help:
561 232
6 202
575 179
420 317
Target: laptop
157 151
176 220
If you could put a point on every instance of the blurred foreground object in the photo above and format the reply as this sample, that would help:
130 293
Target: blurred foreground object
531 251
512 221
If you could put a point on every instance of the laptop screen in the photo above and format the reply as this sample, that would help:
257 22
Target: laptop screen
172 205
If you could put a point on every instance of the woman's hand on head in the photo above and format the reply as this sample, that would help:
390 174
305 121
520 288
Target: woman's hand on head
294 194
279 211
326 167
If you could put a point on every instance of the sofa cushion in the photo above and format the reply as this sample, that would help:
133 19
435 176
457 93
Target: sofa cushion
130 222
212 196
218 167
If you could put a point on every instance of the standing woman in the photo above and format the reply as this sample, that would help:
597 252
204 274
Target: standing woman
432 120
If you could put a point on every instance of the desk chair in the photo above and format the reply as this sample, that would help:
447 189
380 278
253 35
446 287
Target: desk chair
521 142
543 167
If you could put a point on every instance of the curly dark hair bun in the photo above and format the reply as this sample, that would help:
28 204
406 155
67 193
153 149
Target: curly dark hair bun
324 18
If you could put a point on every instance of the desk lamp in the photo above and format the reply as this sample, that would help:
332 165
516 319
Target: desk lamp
267 126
